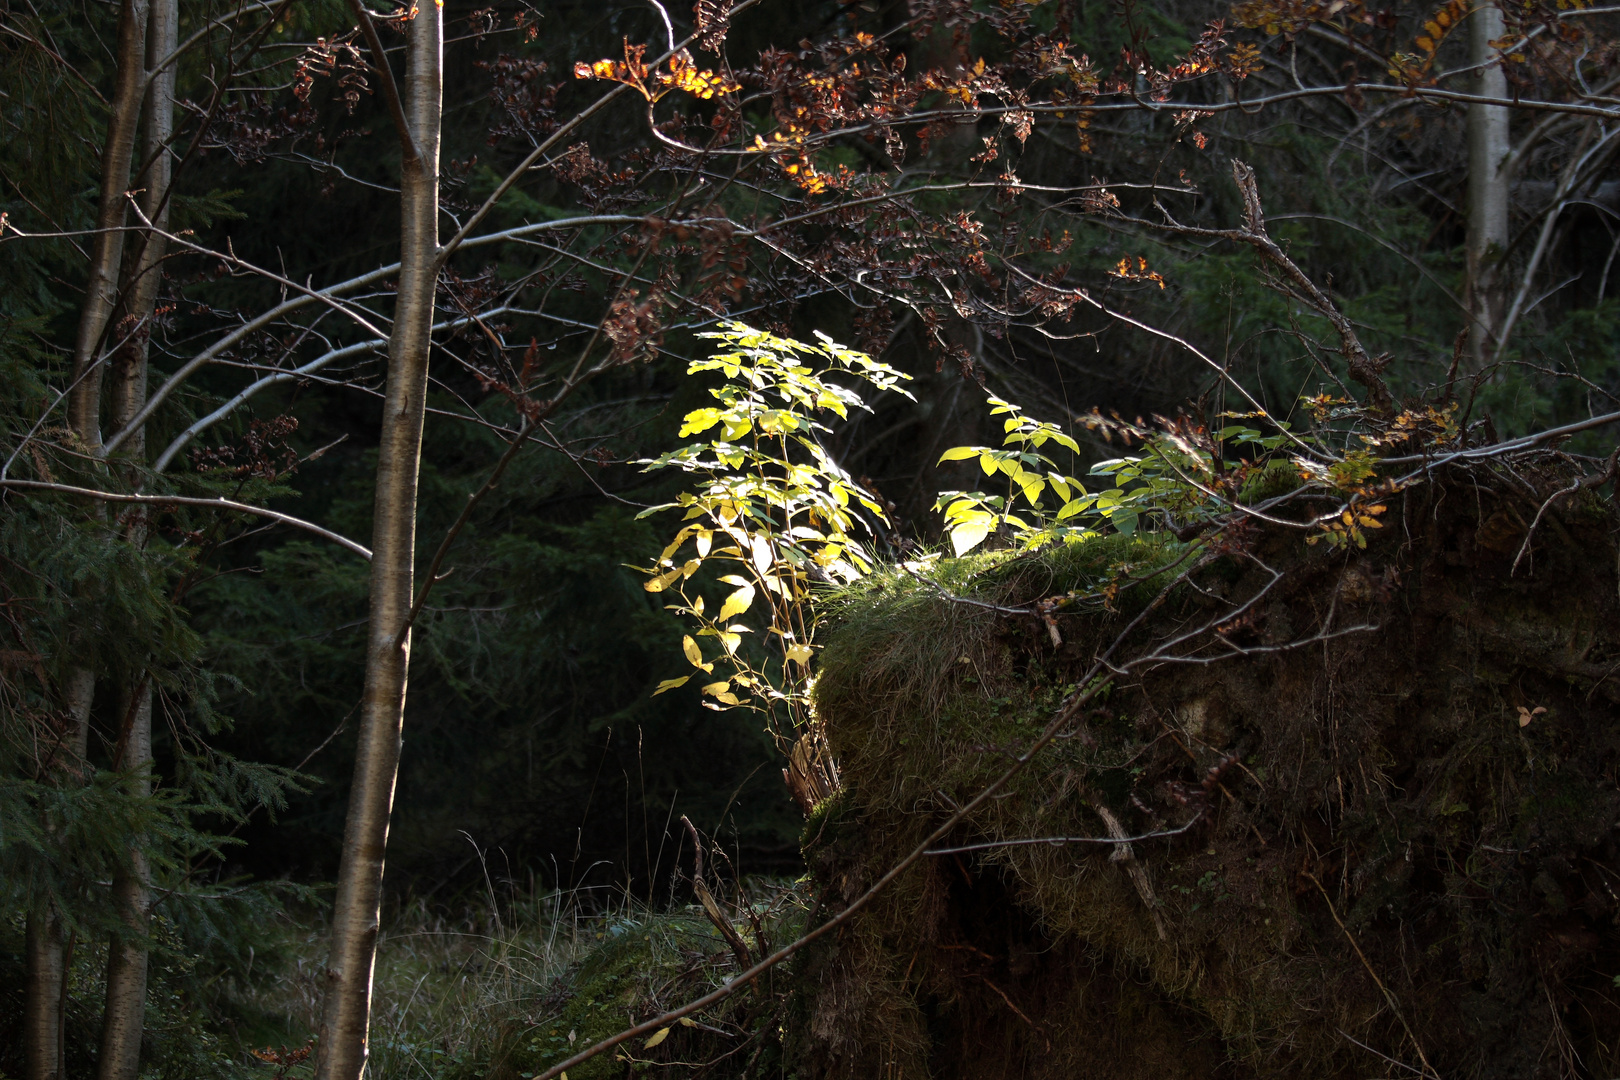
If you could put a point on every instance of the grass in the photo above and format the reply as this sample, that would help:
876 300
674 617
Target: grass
504 990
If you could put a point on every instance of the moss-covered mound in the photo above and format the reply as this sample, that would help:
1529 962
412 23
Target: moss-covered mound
1404 858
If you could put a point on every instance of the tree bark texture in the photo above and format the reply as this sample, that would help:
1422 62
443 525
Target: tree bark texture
42 1011
1488 186
347 1009
107 250
46 960
125 1016
129 367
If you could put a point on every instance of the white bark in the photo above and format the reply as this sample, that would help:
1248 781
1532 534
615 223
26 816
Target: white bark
346 1014
1489 182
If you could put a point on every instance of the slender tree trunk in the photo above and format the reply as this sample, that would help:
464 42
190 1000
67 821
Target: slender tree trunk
45 993
47 966
347 1011
1488 183
107 252
129 368
124 1017
42 1012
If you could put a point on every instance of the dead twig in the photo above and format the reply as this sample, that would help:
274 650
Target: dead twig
1595 480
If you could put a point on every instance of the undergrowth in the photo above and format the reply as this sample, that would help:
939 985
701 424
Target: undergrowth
507 989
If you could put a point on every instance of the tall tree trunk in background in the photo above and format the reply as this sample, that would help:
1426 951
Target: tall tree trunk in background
44 994
1488 183
124 1017
346 1014
107 251
42 1013
129 367
47 971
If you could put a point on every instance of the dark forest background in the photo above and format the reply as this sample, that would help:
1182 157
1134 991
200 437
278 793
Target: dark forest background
535 754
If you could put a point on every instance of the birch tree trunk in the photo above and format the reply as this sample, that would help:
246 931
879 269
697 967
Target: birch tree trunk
346 1013
1488 184
124 1017
107 251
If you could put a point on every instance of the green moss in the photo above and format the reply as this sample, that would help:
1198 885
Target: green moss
1273 479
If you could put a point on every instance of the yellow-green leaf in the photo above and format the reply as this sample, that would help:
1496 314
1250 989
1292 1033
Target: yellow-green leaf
959 453
715 689
657 1037
662 581
699 420
694 654
670 684
799 653
762 554
968 535
737 603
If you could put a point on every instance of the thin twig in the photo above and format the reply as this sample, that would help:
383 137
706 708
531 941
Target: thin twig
385 75
1389 996
1056 841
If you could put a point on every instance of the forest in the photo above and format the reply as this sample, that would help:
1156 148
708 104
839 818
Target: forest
816 539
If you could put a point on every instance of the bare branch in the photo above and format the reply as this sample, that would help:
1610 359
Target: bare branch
385 75
1059 841
188 500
